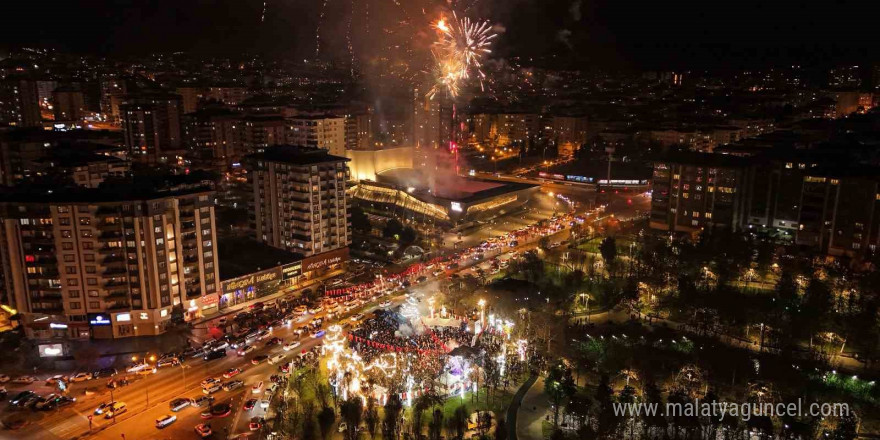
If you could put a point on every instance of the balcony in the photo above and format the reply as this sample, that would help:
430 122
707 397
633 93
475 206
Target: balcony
105 225
187 226
113 258
117 305
46 295
193 293
116 294
114 283
191 259
49 309
114 271
109 249
110 234
187 215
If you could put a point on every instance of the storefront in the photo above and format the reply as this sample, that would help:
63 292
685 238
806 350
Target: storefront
201 307
270 281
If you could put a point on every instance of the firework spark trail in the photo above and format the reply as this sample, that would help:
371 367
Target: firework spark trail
263 17
318 28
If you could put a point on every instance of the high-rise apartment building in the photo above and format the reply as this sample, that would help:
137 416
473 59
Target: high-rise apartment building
299 199
321 131
151 126
111 262
68 104
20 102
694 191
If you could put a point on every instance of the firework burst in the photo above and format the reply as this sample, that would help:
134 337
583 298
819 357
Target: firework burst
459 53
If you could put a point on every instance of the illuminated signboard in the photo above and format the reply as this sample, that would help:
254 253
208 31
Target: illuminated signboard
251 281
324 260
292 270
455 206
123 317
57 325
51 350
99 319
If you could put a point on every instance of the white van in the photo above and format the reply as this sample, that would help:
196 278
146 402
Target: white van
165 421
277 359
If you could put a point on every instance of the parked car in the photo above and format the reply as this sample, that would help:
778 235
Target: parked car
26 380
246 349
229 386
168 362
212 388
216 354
22 398
105 372
81 377
231 372
278 358
179 404
165 420
258 359
203 401
203 430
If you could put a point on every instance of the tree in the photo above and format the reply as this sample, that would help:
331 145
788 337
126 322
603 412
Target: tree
393 407
607 421
326 418
308 424
359 220
501 429
846 428
435 426
458 422
371 416
392 229
559 387
352 413
608 250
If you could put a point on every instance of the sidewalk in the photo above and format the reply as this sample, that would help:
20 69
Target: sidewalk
530 417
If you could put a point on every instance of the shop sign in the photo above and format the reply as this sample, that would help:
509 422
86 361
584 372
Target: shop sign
292 270
99 319
324 260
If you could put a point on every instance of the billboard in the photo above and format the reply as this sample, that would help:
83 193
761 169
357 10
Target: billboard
51 350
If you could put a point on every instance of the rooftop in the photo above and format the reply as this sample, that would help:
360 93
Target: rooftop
240 256
112 190
296 155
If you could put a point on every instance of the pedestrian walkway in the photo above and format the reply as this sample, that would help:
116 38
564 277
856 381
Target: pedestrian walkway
534 409
516 404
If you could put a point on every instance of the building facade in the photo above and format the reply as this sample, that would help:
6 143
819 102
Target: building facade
299 202
320 131
96 264
151 126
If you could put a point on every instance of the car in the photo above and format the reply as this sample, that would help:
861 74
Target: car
249 404
137 367
168 362
116 383
385 304
203 401
285 367
179 404
357 317
271 390
256 423
278 358
4 378
60 401
257 388
209 381
26 380
21 398
81 377
258 359
229 386
52 381
221 410
316 310
45 403
146 372
300 310
216 354
105 372
114 410
246 349
317 333
274 341
165 420
203 430
231 373
291 345
212 388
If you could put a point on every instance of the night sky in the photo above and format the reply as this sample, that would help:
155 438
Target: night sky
629 33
